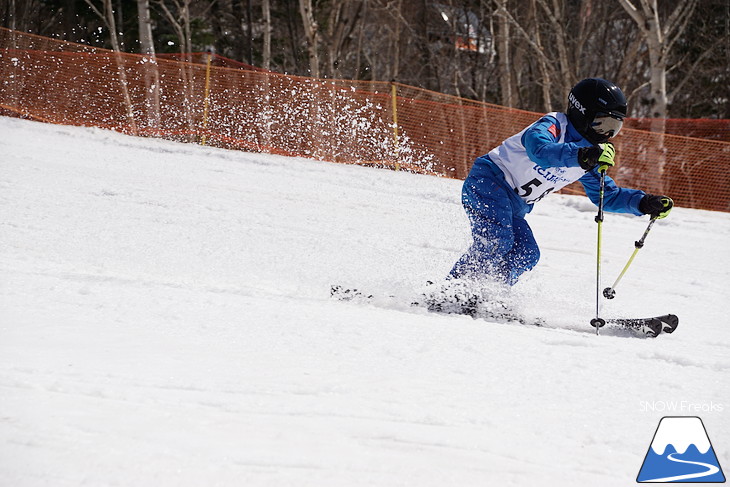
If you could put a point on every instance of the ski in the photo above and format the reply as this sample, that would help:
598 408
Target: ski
348 294
466 305
650 327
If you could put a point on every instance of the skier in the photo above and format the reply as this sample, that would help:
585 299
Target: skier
557 150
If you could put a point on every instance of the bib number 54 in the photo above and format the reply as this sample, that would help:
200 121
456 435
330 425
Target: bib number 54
527 190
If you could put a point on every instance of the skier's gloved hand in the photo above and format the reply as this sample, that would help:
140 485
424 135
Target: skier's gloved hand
600 155
656 206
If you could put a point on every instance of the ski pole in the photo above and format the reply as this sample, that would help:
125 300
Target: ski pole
598 322
610 292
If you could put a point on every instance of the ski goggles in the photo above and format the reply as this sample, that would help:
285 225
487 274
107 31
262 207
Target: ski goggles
607 124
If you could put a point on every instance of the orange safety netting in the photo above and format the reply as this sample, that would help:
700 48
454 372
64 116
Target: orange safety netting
334 120
215 60
713 129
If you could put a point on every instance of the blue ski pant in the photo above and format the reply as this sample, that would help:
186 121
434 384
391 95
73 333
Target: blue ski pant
503 245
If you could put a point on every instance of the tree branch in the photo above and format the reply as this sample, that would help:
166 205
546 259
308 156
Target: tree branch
634 14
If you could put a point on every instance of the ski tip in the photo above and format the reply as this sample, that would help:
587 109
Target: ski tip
649 327
669 323
662 324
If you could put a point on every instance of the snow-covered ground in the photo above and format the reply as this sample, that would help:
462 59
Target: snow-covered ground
165 319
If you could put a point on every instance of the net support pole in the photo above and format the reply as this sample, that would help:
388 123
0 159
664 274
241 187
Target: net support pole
394 98
206 100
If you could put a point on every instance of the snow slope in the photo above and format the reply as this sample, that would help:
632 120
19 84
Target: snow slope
165 320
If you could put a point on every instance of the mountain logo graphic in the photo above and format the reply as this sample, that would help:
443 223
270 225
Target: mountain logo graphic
681 452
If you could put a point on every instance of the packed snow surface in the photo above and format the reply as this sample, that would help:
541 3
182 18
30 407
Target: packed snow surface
166 320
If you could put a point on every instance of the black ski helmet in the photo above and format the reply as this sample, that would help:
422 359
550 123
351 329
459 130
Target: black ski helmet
592 98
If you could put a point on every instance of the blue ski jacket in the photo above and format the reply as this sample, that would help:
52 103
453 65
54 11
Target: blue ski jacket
544 158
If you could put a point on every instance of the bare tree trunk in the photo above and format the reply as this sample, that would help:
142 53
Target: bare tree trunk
554 14
70 20
181 24
545 80
145 28
108 18
12 24
120 23
151 73
330 38
659 40
395 68
344 16
358 47
249 30
266 54
506 84
311 34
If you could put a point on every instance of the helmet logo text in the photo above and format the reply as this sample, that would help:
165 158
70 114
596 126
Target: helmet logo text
574 101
